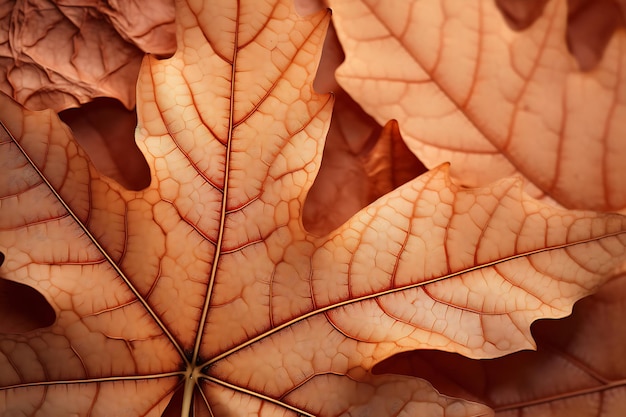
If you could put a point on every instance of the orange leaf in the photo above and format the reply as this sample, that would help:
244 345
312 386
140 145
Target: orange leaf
467 89
204 295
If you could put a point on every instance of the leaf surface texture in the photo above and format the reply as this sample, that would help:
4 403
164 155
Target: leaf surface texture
204 292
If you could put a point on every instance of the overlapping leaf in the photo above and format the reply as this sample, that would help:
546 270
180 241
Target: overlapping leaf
204 291
579 368
467 89
361 162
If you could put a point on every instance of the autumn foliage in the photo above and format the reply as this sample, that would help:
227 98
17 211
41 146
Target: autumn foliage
192 225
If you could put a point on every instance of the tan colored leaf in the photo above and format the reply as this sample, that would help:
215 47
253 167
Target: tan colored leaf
204 295
466 88
579 369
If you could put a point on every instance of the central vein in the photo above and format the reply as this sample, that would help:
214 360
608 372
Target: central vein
218 247
193 369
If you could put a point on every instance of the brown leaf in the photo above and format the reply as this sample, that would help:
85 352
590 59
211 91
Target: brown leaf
342 176
204 294
351 179
60 54
465 88
520 14
389 164
361 163
341 187
357 166
148 24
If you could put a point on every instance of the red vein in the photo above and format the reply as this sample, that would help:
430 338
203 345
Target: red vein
366 297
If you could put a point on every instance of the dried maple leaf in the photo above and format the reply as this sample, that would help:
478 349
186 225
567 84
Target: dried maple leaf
466 88
204 294
579 369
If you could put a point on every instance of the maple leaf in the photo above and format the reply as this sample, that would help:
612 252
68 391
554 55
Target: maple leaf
204 292
454 60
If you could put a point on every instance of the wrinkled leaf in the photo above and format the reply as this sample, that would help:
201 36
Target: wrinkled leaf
148 24
205 292
60 54
467 89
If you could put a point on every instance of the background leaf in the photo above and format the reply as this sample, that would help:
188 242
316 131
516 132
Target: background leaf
454 60
578 369
60 54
